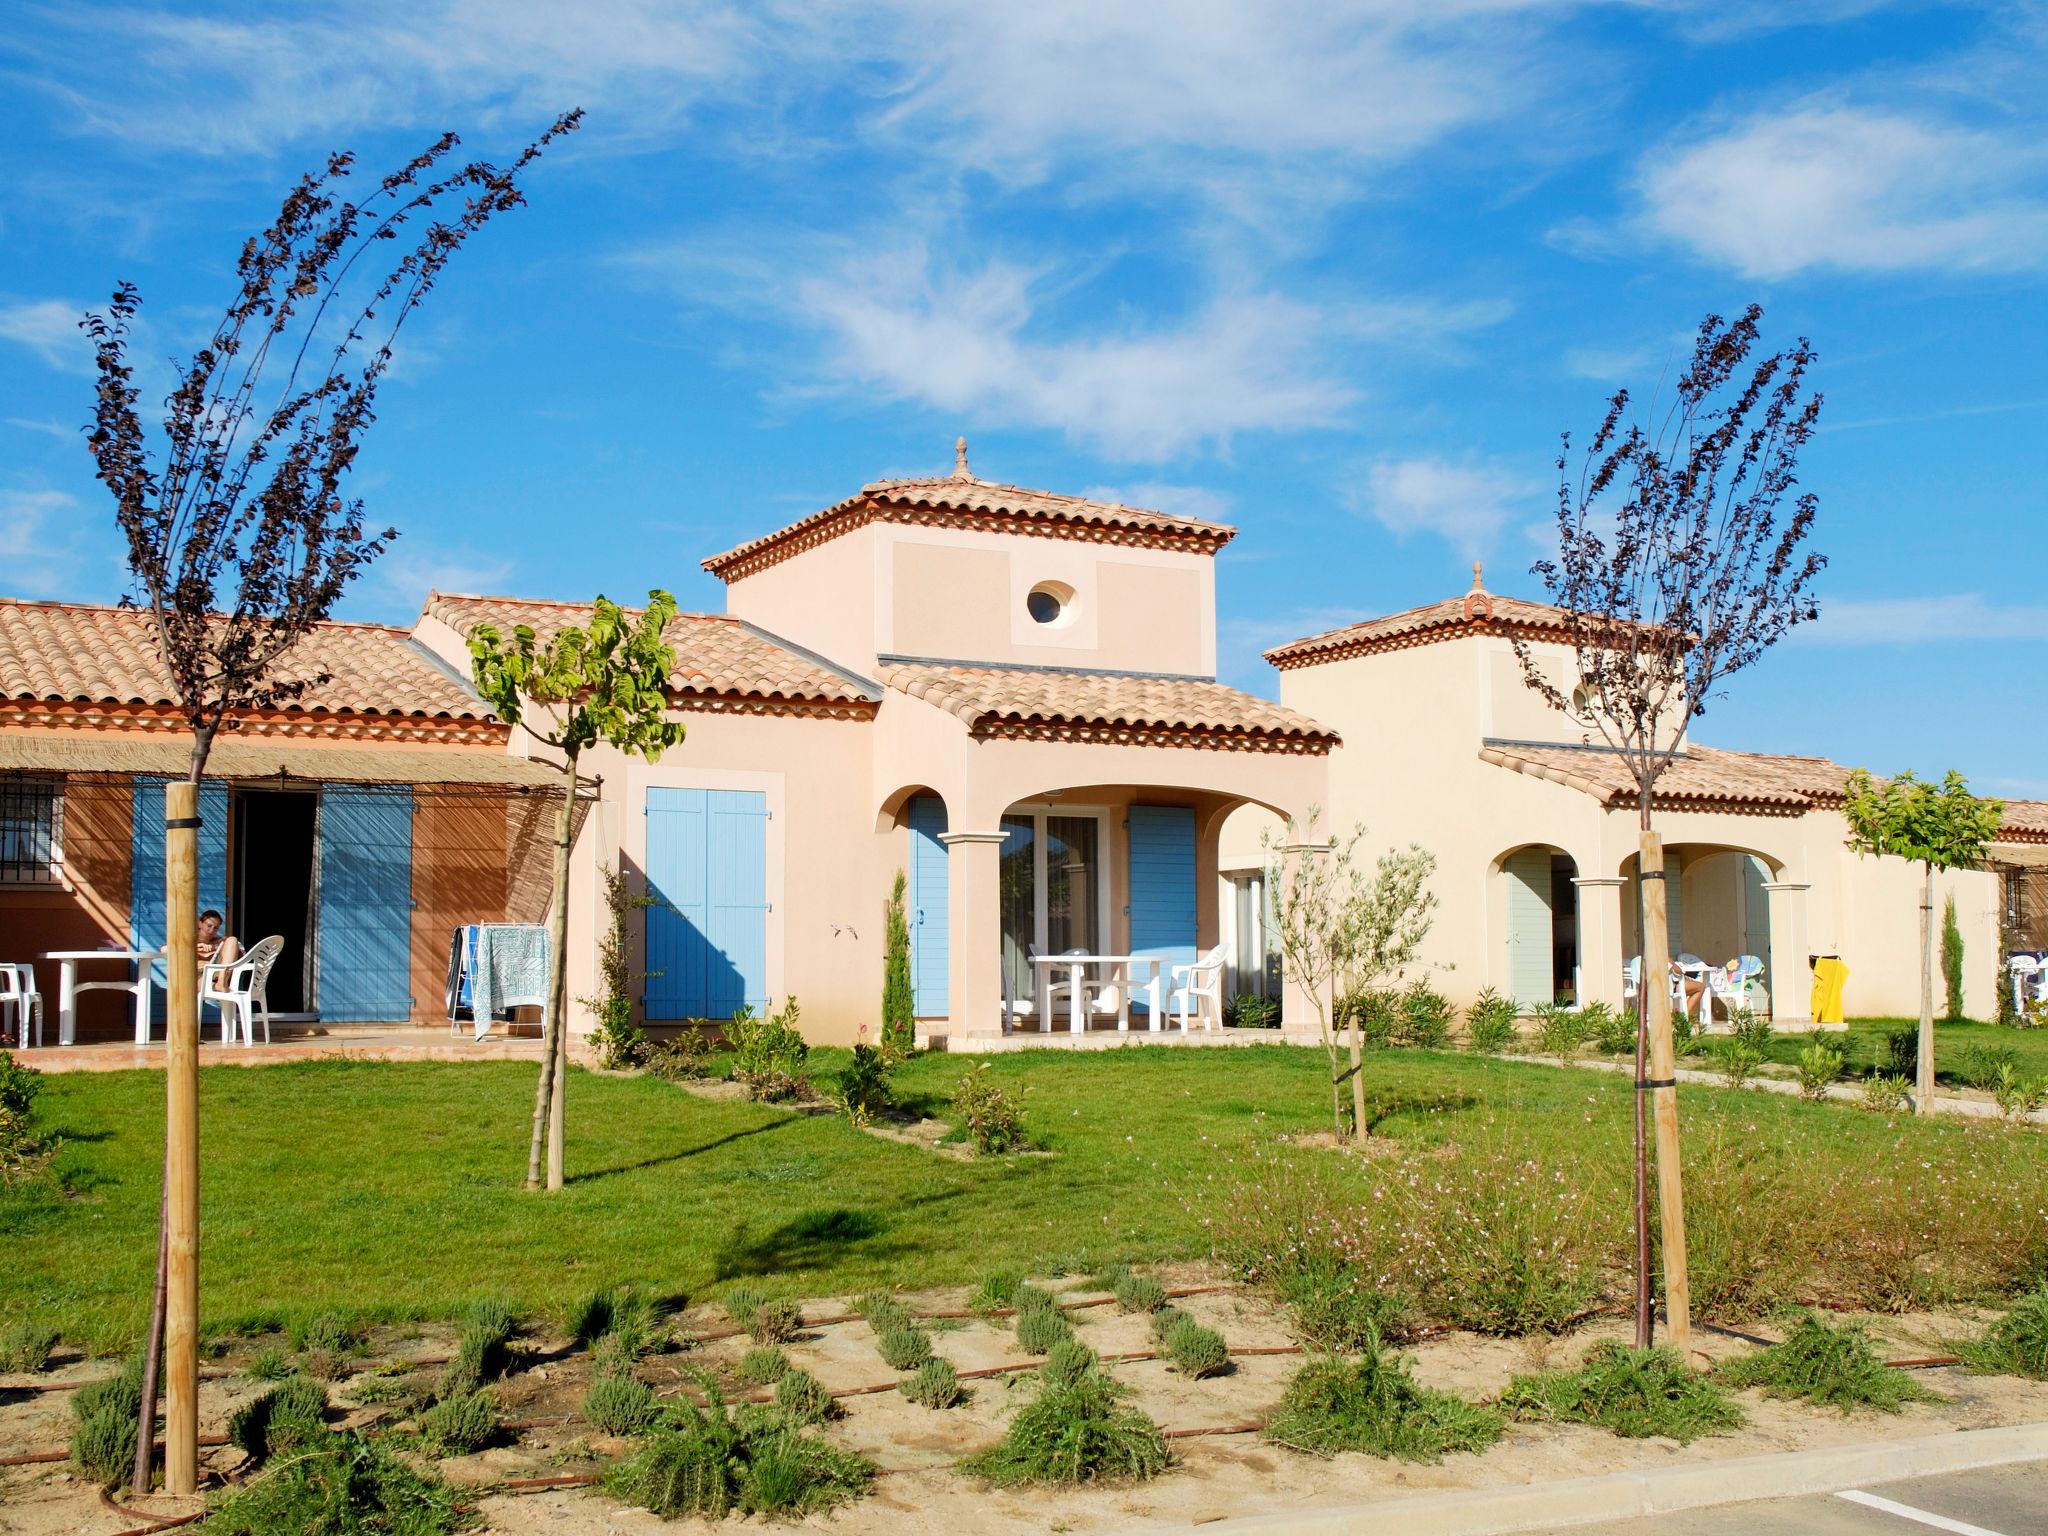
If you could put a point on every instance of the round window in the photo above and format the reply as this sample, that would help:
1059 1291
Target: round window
1047 602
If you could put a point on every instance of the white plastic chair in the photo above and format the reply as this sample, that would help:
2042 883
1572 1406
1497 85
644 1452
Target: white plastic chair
1059 983
2029 978
238 990
1193 985
1729 984
18 995
1632 980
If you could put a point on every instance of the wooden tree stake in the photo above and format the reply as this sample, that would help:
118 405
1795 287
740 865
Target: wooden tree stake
1664 1095
181 1138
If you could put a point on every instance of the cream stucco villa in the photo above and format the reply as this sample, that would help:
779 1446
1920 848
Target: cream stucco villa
1010 696
1535 830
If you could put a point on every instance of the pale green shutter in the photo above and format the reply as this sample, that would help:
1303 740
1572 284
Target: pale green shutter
1674 890
1530 977
1756 911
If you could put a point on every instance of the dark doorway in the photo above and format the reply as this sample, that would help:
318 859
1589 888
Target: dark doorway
1564 929
274 885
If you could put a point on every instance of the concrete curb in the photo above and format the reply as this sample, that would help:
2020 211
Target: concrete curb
1634 1495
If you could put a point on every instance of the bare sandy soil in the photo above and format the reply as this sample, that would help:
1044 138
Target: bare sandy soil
1215 1477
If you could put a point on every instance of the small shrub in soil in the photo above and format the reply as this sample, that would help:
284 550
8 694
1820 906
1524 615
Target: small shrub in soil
329 1333
1739 1060
1561 1031
122 1391
905 1349
1250 1011
740 1302
621 1405
1074 1431
1029 1298
935 1384
1977 1065
1901 1053
989 1115
1067 1362
480 1356
1163 1321
775 1322
1338 1312
1886 1092
803 1397
103 1445
1828 1364
1426 1016
1196 1351
27 1347
712 1461
290 1413
998 1289
342 1484
682 1058
2015 1345
1375 1405
2017 1095
883 1311
1111 1276
456 1426
270 1363
615 1309
1140 1293
1820 1068
764 1366
1490 1023
1038 1332
1636 1393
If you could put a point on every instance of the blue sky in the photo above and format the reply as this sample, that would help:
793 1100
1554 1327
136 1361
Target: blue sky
1338 273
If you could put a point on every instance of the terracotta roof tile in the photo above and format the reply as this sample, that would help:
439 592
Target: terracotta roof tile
87 654
1700 776
1477 612
961 499
1145 709
2025 821
717 656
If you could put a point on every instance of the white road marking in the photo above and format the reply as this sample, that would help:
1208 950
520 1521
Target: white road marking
1921 1516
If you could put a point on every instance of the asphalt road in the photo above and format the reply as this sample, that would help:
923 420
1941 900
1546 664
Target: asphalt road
1999 1501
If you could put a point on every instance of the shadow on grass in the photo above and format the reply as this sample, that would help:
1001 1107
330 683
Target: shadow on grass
677 1157
1382 1108
814 1239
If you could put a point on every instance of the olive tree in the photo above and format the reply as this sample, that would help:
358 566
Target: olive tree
1343 930
1938 826
604 682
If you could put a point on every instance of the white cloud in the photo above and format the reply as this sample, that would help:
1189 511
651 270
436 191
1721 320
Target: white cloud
1849 189
973 344
39 542
49 328
1241 643
1957 616
55 429
1467 504
395 586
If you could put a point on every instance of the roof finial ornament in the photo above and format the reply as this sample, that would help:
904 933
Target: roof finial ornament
1478 585
960 471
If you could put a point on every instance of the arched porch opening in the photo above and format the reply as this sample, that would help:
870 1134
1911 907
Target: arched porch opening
1719 901
1538 959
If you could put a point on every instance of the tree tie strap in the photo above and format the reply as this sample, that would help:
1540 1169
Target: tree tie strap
1656 1082
1653 874
178 823
1339 1079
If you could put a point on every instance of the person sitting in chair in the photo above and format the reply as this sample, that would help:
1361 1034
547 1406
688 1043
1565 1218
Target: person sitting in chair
215 947
1693 986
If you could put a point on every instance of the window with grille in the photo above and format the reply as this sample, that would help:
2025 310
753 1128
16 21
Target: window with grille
31 830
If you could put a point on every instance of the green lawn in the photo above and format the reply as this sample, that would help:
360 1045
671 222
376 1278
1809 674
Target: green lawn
393 1190
1863 1046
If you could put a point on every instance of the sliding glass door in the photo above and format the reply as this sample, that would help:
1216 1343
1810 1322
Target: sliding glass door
1051 885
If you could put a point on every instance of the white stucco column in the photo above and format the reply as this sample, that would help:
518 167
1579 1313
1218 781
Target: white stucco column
974 954
1791 978
1600 930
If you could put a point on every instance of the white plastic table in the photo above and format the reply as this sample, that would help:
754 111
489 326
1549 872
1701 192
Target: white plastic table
69 986
1077 967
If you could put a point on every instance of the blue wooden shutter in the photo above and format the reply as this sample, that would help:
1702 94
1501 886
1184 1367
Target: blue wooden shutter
146 916
1531 968
1162 839
364 936
707 934
929 919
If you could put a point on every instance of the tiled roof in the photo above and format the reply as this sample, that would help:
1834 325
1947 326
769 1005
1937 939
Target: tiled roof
1478 612
960 500
86 654
1700 777
2025 821
718 658
1037 703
